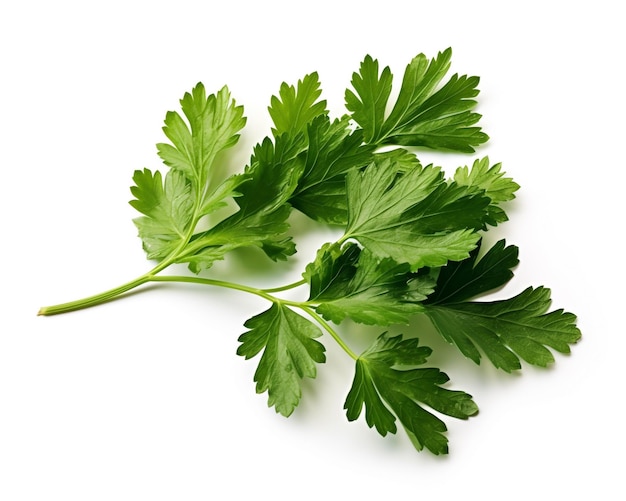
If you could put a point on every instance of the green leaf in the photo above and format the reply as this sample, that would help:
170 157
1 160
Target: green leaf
368 105
507 330
261 220
459 281
265 230
412 216
364 392
389 386
273 174
401 159
290 353
213 124
295 107
173 209
333 150
167 208
425 113
503 330
321 192
490 180
350 282
218 195
410 245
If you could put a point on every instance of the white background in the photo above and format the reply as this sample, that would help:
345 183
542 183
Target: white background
145 399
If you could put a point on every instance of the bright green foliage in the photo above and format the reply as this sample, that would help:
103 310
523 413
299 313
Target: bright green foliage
408 238
488 179
387 384
350 282
173 209
265 230
167 207
213 125
261 220
290 353
425 112
333 151
505 330
413 217
296 107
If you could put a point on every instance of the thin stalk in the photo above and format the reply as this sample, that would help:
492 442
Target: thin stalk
264 293
111 294
107 295
286 287
218 283
151 276
96 299
329 329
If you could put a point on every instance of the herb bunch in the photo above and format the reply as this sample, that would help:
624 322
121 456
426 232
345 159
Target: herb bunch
411 242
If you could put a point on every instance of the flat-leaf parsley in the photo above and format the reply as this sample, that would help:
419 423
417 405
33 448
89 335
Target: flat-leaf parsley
410 245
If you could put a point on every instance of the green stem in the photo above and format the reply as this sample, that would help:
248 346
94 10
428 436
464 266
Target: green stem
328 329
218 283
96 299
152 276
264 293
303 305
111 294
286 287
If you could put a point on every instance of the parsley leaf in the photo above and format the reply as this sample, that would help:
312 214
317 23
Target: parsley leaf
491 181
167 209
410 244
261 220
214 123
333 150
297 106
265 230
425 113
387 384
459 281
290 353
412 217
369 104
173 208
505 330
350 282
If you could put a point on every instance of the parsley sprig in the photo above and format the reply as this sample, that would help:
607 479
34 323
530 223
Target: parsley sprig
411 243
